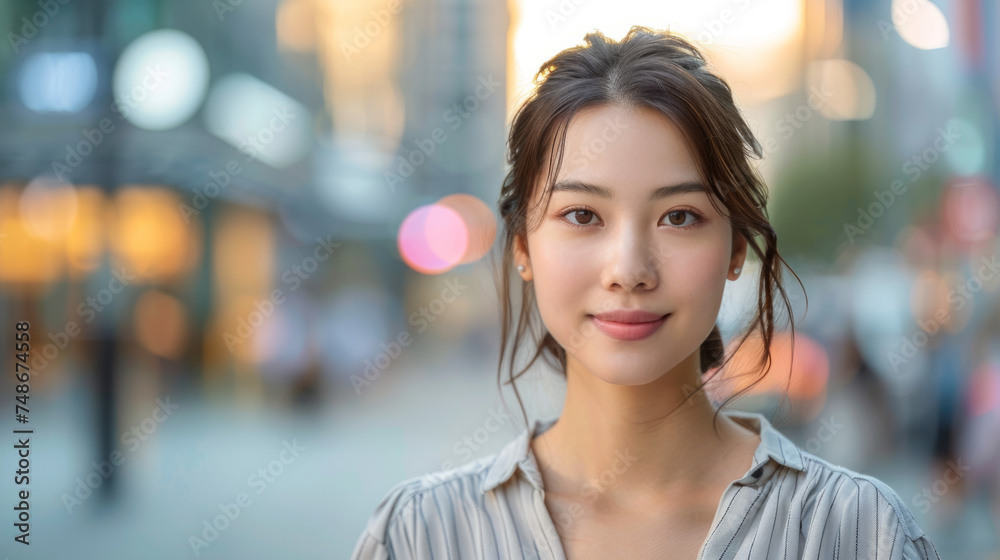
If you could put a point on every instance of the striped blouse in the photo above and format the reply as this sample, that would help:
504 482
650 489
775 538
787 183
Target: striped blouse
789 504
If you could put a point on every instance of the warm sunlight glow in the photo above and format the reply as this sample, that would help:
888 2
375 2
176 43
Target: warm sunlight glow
748 41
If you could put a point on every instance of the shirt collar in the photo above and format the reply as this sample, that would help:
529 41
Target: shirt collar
773 445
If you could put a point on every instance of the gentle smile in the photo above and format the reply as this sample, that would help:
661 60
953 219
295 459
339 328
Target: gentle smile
623 325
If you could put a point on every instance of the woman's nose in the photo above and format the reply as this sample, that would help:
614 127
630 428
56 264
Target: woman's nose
632 264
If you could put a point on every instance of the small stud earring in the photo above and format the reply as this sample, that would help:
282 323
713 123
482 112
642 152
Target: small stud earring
737 270
520 268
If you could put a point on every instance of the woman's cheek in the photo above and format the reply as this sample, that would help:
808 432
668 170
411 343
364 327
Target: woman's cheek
711 292
561 283
703 274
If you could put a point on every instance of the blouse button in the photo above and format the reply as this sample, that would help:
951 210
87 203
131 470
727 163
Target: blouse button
757 473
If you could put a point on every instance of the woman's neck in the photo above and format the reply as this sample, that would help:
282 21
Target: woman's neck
642 440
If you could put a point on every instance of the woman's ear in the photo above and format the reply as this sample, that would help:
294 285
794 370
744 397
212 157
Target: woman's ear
738 256
521 258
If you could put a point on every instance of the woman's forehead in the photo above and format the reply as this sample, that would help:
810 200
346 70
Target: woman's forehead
621 147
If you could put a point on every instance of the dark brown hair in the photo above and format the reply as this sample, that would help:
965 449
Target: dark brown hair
664 72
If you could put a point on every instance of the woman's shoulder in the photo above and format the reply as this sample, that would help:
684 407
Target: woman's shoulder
834 499
461 482
419 501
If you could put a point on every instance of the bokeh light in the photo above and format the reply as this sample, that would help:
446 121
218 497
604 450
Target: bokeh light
48 207
920 23
160 323
86 239
808 374
24 256
848 91
160 79
479 222
60 82
968 154
262 122
970 210
928 296
432 239
148 234
295 25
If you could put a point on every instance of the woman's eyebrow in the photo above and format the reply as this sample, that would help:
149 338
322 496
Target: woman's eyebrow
574 185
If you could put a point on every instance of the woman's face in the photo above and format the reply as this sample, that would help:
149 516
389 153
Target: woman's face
628 228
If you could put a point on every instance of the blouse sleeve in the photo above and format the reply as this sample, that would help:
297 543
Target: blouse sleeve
861 517
897 531
388 534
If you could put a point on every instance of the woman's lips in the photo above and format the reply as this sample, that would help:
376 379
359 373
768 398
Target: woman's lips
628 331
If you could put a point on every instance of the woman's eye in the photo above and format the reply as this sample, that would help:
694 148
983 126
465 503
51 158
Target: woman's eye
581 217
677 218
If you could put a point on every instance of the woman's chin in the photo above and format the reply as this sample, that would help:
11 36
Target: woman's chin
634 366
628 374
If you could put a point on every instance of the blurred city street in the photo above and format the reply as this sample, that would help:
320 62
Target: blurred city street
250 255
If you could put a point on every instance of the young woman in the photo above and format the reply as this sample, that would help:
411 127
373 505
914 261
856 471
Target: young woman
629 203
